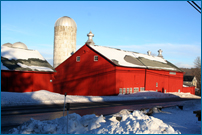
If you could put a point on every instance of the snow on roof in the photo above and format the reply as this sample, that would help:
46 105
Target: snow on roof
134 59
35 67
149 57
23 60
17 53
116 54
185 85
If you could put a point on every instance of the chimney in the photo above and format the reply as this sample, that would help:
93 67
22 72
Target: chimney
149 52
160 53
90 38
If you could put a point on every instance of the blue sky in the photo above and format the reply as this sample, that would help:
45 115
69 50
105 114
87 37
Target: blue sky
172 26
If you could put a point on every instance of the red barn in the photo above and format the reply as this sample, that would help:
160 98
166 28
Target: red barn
100 71
24 70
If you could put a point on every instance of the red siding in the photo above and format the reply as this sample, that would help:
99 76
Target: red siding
161 80
19 81
87 77
129 78
42 81
189 90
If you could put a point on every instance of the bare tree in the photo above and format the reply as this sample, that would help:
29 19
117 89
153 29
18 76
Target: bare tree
197 72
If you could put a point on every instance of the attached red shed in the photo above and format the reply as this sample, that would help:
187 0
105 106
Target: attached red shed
24 70
26 81
100 71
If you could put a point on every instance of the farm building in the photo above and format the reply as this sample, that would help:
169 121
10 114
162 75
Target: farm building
24 70
190 80
100 71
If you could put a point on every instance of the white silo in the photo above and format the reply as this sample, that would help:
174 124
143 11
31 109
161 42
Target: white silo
7 44
64 39
19 45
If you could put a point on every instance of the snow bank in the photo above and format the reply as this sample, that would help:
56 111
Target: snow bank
184 119
46 97
150 94
185 95
133 123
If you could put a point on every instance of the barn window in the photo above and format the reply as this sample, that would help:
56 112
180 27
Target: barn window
179 90
127 90
120 90
141 88
95 58
172 73
136 89
78 58
165 91
156 84
131 90
124 90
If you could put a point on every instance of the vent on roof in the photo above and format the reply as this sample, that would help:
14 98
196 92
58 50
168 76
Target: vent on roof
90 38
115 61
149 52
160 53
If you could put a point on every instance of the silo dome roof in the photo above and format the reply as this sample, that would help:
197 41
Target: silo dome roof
65 21
7 44
19 45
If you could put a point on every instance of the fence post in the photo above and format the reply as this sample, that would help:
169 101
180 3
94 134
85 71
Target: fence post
64 105
67 106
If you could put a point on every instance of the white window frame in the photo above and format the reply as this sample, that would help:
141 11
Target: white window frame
156 84
131 90
136 89
78 58
95 58
124 90
172 73
128 90
120 90
142 89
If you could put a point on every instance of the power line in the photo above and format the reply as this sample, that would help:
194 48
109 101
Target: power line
194 6
199 3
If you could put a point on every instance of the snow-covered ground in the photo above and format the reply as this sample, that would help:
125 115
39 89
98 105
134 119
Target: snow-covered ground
46 97
170 120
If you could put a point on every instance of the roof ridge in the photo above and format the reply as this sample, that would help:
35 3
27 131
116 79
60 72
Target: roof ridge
115 48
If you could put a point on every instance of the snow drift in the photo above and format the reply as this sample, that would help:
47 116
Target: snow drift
131 123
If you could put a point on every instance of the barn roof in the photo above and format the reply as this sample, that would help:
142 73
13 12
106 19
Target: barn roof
188 78
16 59
134 59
